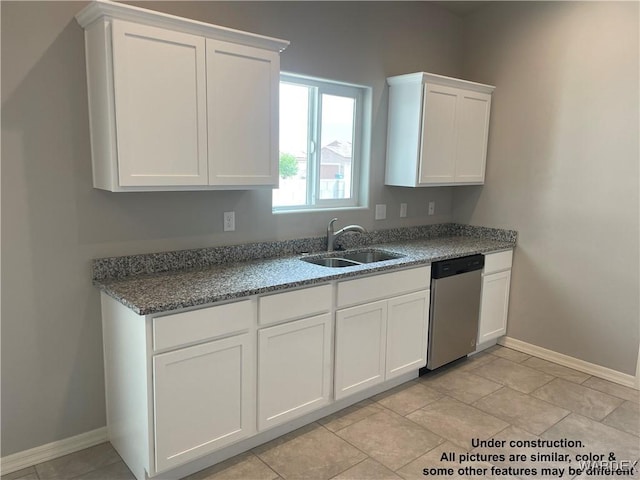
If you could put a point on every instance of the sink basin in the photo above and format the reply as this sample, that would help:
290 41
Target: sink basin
371 256
351 259
331 262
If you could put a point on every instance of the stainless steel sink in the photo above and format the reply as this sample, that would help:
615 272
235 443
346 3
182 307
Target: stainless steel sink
351 259
331 262
371 256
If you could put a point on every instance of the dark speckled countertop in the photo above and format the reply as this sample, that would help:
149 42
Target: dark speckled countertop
151 293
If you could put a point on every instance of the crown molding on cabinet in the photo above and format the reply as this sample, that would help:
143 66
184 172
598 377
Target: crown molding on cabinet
106 8
440 80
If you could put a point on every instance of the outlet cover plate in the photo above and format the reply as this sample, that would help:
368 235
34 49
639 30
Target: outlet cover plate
229 221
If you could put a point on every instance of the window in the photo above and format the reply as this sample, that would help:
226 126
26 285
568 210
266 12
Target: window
320 144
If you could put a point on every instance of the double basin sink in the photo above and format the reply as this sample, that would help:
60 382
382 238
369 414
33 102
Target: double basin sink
351 259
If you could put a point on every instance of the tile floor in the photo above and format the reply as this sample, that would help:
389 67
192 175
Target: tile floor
499 393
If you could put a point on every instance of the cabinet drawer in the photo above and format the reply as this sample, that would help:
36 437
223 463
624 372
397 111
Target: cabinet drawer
199 325
496 262
306 302
362 290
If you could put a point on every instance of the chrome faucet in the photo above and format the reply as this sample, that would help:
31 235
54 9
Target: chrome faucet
333 236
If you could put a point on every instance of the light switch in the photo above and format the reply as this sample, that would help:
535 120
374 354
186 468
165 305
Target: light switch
432 208
381 211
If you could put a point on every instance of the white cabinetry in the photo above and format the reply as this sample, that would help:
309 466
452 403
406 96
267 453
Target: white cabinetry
192 388
242 113
380 339
437 130
176 104
294 357
494 303
360 347
179 386
407 331
200 399
159 84
203 395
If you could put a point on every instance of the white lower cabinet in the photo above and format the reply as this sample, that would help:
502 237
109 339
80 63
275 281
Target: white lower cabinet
360 347
407 330
294 375
183 386
494 303
380 340
203 399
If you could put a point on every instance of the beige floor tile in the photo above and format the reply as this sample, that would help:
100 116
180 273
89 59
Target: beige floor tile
438 467
438 372
578 399
524 411
513 375
28 473
474 361
508 353
556 370
349 415
115 471
613 389
311 453
78 463
626 418
511 456
285 438
241 467
368 470
407 397
390 438
595 437
463 386
457 421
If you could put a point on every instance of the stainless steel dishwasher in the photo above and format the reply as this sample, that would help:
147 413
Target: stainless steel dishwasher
455 308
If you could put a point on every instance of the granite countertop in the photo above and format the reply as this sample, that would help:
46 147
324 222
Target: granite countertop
151 293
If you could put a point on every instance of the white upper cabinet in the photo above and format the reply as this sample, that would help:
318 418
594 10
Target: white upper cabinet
437 130
242 111
159 82
176 104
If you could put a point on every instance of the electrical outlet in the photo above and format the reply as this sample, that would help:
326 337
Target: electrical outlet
403 210
381 212
229 221
432 208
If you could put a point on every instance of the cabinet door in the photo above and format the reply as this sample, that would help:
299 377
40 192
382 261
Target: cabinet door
407 331
494 306
203 399
472 131
242 109
360 347
438 143
295 369
160 93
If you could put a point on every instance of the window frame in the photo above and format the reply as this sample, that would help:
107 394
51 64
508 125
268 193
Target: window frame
319 87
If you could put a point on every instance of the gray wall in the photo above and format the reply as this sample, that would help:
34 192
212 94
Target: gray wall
54 222
562 169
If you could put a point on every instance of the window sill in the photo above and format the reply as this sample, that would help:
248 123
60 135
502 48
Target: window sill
321 209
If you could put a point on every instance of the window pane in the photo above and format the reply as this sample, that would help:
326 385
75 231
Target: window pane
294 139
336 154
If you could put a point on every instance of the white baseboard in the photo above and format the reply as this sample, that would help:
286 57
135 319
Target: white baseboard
571 362
33 456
